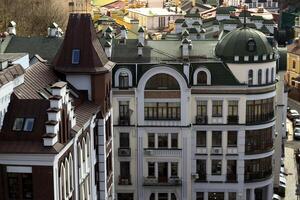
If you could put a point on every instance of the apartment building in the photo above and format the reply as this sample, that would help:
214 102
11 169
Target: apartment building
194 119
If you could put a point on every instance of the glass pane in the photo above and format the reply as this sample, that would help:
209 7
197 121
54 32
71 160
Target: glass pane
18 124
28 124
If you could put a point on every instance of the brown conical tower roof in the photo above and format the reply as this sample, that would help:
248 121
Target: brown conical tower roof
81 37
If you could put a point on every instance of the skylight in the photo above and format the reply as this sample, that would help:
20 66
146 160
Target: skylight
23 124
75 56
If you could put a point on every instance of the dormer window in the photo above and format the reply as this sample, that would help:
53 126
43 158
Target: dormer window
202 78
236 58
250 77
75 56
123 80
251 45
23 124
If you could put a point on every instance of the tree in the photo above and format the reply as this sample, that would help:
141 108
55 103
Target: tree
33 16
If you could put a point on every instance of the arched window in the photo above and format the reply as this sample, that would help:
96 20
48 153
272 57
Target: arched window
202 78
162 82
62 181
272 75
250 77
67 175
259 77
71 171
152 196
251 45
267 75
123 80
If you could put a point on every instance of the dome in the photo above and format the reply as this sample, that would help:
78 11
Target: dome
245 45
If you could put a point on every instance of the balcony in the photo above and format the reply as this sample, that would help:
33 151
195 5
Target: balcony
162 152
257 176
258 149
258 119
124 180
232 119
124 120
124 152
162 181
201 119
201 177
232 178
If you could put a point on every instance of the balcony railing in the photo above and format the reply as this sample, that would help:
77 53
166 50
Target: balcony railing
231 178
162 181
257 149
124 180
201 177
201 119
163 152
256 119
257 176
124 120
231 119
124 152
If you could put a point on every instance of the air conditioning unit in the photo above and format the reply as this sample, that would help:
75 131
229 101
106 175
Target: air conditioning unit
216 150
124 152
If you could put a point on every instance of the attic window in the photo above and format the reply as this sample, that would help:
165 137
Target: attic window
75 56
23 124
251 45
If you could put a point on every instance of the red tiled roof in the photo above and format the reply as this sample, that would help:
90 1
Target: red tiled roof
84 112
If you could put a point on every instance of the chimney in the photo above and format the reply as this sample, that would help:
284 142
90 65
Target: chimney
123 34
140 49
141 32
202 34
185 34
54 30
108 30
108 37
186 45
193 3
108 49
12 28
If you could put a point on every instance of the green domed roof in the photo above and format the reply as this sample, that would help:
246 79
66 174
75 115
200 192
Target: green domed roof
243 42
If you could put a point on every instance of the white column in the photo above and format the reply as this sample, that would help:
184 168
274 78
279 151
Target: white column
252 194
209 110
270 192
225 195
205 195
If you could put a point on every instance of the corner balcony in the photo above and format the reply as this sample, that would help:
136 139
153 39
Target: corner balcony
159 152
162 181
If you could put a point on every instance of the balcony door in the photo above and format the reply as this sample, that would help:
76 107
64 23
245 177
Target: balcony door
162 172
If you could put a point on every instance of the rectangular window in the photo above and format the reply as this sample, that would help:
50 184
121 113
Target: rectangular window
174 140
162 141
75 56
162 196
174 169
201 138
233 108
28 125
151 169
124 108
18 124
232 138
124 170
201 169
231 195
231 170
124 140
217 108
162 111
217 138
200 196
201 108
151 140
216 167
